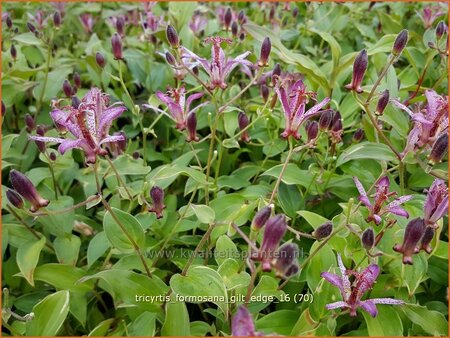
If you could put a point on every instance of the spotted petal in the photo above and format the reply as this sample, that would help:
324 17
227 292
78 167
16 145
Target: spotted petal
370 307
336 305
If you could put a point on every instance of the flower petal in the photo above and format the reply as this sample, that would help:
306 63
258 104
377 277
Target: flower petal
191 98
345 281
242 323
369 306
336 305
399 211
332 278
69 144
390 301
46 139
316 109
111 139
106 119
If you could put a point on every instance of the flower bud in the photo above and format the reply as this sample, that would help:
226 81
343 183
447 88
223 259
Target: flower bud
24 187
136 155
122 144
170 59
31 27
368 238
426 240
272 13
285 257
191 126
295 12
120 25
40 130
57 19
241 17
13 52
243 123
440 148
292 271
273 233
9 22
116 43
14 198
400 42
227 18
382 102
413 233
157 195
75 102
52 156
441 29
337 124
29 122
265 52
264 91
325 119
100 59
358 135
323 231
359 69
234 28
276 73
261 218
172 37
242 323
77 80
312 130
67 88
242 37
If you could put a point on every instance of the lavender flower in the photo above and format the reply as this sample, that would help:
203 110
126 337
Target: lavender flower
242 324
436 203
353 292
294 99
89 124
220 66
413 234
179 106
273 233
198 23
23 186
430 14
87 21
382 194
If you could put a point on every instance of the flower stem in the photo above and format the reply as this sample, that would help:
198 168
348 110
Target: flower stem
119 178
380 77
283 169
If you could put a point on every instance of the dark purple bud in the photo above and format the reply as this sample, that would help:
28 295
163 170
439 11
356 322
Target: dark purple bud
431 44
273 233
285 257
234 28
122 144
75 102
426 240
295 12
52 156
136 155
359 69
261 218
29 122
31 27
14 198
172 37
382 102
312 130
441 29
276 73
242 323
413 233
116 44
337 126
272 13
227 18
9 22
400 42
325 120
358 135
13 52
242 37
323 231
195 70
67 88
24 187
57 19
264 92
265 52
40 130
170 59
77 80
368 238
157 195
191 126
3 108
243 123
100 59
241 17
292 271
440 148
120 25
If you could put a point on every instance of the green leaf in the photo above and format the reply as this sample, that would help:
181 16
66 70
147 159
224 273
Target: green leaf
334 45
386 323
63 277
176 322
305 325
204 213
144 325
49 315
225 249
67 249
322 261
266 288
313 219
229 270
201 281
125 242
366 150
59 224
28 39
97 247
292 175
28 257
290 199
278 322
430 321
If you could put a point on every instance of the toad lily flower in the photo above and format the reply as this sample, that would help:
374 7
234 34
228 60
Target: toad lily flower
179 106
89 124
382 194
220 66
353 292
242 324
436 203
294 99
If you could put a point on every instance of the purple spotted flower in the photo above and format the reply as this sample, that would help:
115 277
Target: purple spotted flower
382 195
89 124
353 292
220 65
436 203
198 23
430 14
294 98
430 121
242 324
87 21
179 106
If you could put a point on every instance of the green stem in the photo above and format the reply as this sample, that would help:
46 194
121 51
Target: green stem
283 169
44 84
119 178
